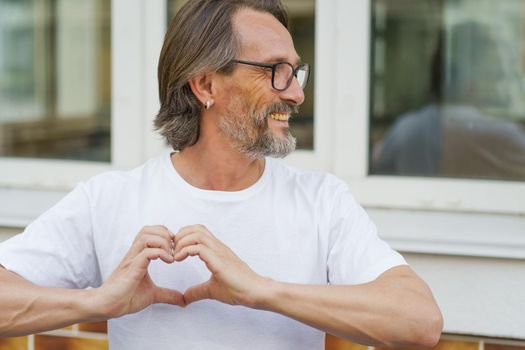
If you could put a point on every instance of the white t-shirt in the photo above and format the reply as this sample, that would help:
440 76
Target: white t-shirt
291 225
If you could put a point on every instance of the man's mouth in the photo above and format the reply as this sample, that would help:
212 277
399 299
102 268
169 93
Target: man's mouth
283 117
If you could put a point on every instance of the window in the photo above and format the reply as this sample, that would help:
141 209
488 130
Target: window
55 79
103 54
448 89
302 18
367 105
84 99
357 99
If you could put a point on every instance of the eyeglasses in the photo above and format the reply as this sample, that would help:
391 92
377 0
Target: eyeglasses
283 73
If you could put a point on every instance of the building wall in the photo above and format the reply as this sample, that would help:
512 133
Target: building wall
480 296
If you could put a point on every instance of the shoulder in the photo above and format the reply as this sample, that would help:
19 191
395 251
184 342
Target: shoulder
118 181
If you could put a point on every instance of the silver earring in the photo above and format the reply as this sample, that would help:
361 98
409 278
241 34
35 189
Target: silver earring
207 105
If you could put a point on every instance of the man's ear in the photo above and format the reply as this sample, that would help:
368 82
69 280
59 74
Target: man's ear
201 86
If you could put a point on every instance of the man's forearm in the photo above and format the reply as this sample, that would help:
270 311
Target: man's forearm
393 311
27 308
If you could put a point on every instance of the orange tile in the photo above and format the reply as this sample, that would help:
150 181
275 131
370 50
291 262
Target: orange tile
449 345
19 343
99 327
47 342
457 345
489 346
335 343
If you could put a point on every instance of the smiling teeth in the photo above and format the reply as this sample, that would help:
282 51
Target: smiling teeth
279 116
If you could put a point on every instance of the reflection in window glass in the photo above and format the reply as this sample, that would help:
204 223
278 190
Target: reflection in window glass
448 88
55 91
302 19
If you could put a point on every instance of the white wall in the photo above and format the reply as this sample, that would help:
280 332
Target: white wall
479 296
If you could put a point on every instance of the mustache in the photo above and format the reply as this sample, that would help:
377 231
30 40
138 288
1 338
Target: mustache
259 119
282 107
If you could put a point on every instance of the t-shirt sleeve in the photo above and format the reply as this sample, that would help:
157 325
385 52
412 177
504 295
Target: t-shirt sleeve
57 249
356 254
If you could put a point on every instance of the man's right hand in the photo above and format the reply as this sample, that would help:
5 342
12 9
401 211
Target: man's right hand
28 308
130 289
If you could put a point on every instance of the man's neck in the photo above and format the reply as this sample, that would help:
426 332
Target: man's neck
217 166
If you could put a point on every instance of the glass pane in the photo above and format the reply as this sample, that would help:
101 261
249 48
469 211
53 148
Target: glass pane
302 18
55 88
448 88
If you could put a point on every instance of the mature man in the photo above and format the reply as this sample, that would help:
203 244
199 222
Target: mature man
292 249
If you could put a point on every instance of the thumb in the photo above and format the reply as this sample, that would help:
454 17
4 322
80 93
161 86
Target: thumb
197 292
168 296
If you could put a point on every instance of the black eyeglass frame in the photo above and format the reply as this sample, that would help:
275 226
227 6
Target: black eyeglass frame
273 68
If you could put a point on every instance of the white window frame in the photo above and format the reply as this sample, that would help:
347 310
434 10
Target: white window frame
352 111
130 106
414 214
137 30
321 157
27 187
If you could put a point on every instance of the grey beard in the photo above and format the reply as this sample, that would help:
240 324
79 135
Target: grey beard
271 146
259 141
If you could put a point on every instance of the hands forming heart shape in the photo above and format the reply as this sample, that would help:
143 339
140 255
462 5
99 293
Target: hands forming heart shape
130 289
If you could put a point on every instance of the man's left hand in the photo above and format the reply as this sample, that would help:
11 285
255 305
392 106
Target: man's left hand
232 281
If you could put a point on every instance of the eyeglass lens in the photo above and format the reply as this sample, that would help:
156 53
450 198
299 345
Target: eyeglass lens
284 75
302 76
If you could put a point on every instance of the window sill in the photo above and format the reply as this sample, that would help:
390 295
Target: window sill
448 233
19 207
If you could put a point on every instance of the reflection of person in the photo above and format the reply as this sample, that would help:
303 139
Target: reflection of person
264 236
452 136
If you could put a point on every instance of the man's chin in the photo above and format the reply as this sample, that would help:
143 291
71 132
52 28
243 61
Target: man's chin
282 145
281 134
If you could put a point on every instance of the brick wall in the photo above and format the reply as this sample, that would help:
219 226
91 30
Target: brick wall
447 342
90 336
93 336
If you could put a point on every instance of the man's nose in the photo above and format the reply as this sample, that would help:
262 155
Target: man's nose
294 94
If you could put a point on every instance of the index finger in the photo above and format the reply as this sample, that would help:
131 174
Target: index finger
159 230
151 236
186 230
